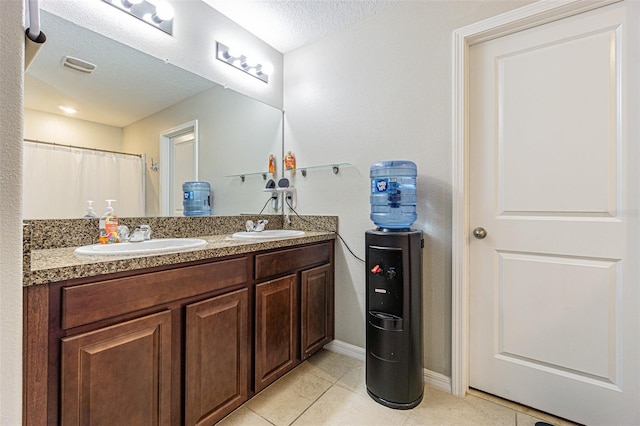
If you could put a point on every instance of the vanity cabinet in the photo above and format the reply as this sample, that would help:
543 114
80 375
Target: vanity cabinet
179 345
163 347
293 313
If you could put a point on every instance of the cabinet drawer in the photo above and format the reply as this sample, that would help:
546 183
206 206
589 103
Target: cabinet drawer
284 261
92 302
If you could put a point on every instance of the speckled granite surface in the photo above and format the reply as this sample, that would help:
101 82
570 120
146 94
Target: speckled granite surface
26 252
52 243
56 233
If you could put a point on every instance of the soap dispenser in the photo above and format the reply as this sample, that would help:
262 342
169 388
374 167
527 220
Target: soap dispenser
272 164
109 225
90 212
290 161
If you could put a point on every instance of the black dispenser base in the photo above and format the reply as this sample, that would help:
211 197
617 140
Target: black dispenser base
394 350
396 405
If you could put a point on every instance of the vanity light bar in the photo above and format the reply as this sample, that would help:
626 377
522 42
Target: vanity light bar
241 62
157 13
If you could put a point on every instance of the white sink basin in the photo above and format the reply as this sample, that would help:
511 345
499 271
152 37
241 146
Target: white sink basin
272 233
159 245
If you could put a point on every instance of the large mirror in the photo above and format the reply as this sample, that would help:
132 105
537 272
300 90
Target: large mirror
176 122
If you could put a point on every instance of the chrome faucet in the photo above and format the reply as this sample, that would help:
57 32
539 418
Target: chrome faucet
141 233
123 233
258 227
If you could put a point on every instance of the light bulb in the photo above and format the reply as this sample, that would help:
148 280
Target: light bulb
67 110
267 68
164 11
130 3
251 62
234 52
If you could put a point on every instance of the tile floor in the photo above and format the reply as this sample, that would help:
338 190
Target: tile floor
329 389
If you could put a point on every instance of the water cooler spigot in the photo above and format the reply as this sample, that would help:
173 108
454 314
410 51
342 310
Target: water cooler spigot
388 273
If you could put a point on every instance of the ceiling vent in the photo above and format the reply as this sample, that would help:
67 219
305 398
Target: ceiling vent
78 65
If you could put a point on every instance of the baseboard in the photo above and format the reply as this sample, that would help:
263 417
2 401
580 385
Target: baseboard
431 378
346 349
437 381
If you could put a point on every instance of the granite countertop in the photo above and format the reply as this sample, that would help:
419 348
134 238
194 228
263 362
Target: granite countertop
59 264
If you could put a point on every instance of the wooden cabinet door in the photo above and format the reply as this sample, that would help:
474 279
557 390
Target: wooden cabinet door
216 356
118 375
316 309
275 328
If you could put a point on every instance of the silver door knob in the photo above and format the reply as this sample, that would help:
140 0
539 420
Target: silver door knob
479 233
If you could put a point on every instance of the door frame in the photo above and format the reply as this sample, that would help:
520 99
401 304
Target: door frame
166 137
529 16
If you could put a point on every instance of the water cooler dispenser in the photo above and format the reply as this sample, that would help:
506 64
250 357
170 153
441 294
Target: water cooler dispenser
394 350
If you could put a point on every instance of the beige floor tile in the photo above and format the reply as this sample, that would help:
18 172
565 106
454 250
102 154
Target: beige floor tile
495 399
339 406
282 402
308 368
527 420
441 408
332 365
527 411
243 417
354 380
529 417
330 390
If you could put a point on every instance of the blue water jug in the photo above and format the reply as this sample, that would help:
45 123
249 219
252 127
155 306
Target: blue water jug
393 194
197 198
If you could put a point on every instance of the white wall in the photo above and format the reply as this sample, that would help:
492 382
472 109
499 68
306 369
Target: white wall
381 90
11 89
197 27
62 130
236 135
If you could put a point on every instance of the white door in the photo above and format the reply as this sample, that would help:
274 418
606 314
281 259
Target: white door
553 179
182 169
179 151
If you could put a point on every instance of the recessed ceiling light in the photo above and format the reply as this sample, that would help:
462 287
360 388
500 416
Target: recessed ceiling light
68 110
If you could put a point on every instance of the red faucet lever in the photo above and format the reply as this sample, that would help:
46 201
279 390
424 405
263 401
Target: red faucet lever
376 269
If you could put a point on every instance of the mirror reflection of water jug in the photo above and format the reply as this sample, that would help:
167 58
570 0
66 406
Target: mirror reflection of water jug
393 194
196 198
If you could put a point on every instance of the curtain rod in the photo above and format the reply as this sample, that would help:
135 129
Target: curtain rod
81 147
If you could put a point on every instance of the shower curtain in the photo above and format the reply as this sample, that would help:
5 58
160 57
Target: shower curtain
58 181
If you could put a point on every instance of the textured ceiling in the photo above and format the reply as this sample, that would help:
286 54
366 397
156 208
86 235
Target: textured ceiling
288 24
